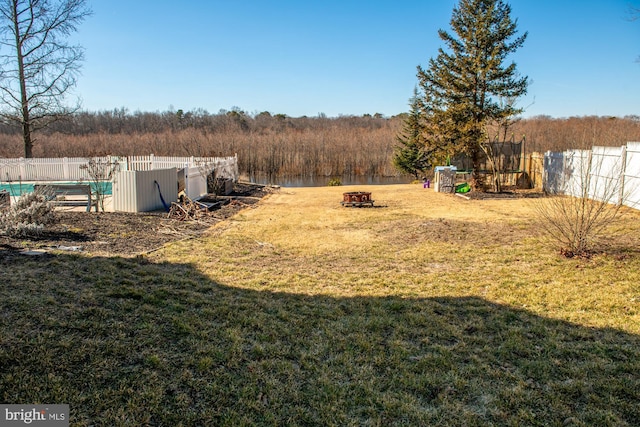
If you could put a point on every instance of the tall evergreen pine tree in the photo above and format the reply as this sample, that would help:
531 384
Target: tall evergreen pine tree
463 86
410 154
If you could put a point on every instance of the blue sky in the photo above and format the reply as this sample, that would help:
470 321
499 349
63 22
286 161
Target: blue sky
346 57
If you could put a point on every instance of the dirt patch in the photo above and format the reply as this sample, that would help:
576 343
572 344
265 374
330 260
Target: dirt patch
127 234
509 194
459 232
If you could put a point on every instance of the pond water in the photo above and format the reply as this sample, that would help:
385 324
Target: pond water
322 181
16 189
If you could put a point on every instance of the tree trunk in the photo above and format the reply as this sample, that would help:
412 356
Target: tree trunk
26 123
477 182
28 144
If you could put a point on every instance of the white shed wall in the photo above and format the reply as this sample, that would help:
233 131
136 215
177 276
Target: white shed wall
136 191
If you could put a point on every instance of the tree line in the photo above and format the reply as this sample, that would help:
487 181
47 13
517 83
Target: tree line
280 145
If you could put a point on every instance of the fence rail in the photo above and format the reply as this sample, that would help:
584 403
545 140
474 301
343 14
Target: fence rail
72 168
610 174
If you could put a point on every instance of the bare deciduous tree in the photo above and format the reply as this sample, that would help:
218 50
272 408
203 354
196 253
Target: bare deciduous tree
37 65
497 133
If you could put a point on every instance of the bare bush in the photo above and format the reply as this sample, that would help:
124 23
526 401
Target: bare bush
101 170
582 207
214 182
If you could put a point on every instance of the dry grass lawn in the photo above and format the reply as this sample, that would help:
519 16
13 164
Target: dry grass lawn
418 243
424 310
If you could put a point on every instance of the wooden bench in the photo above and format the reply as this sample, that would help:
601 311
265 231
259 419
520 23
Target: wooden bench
80 194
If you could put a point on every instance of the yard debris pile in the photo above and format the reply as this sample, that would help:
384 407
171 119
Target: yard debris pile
186 209
127 234
207 206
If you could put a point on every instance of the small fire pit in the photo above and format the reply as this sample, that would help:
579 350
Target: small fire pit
356 198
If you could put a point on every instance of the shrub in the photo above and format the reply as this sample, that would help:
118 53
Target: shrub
28 216
101 171
334 182
587 202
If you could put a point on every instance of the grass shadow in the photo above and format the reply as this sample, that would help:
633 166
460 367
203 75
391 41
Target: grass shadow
127 342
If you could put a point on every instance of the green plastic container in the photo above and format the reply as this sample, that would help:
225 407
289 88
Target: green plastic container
463 188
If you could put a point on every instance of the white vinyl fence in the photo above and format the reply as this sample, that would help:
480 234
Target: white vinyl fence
41 169
71 168
610 174
195 182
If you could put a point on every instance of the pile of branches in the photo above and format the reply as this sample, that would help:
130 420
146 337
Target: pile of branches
187 210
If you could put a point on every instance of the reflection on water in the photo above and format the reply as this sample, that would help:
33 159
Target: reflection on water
322 181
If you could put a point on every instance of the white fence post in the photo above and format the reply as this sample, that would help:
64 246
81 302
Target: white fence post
623 168
186 178
23 164
632 175
65 168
